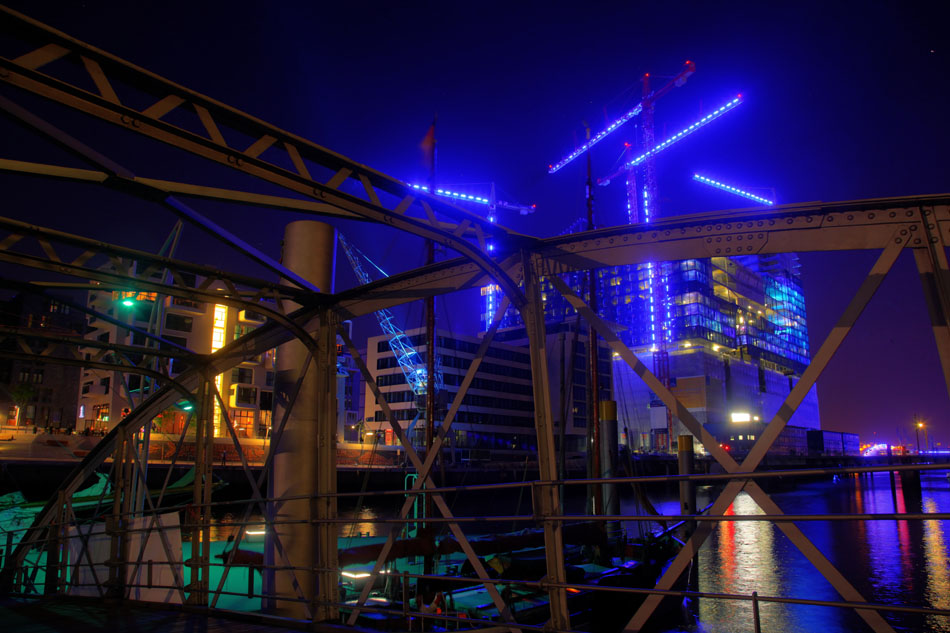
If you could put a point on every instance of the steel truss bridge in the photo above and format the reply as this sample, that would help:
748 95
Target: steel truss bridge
38 63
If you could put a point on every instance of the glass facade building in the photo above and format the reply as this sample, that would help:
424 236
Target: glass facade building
728 334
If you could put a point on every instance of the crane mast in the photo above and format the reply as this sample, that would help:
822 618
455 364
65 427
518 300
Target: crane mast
408 359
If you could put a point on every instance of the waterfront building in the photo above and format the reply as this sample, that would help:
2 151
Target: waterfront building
34 393
107 396
496 418
247 390
729 336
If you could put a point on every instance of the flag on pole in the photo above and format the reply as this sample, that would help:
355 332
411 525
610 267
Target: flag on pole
428 147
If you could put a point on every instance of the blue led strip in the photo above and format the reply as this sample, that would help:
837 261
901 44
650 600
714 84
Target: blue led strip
454 194
712 116
596 139
731 189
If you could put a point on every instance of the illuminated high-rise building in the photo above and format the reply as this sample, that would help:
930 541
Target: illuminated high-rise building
731 332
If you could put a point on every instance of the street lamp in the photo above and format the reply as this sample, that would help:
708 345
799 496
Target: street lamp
917 428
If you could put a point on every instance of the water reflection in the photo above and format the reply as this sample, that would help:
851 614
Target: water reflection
938 574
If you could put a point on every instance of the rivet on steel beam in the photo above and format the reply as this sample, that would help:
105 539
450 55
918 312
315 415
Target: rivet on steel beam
729 227
910 213
898 240
718 250
870 216
789 221
850 218
809 220
831 218
761 235
903 231
893 214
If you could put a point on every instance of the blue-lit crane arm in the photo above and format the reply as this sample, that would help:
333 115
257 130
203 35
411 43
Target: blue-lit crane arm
523 209
733 190
706 120
411 364
678 80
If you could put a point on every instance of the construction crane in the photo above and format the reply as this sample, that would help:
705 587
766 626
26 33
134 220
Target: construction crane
736 191
408 359
493 205
491 201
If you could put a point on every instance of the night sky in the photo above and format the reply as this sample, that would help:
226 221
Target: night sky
842 101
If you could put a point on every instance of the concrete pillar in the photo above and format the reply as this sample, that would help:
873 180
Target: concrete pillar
305 455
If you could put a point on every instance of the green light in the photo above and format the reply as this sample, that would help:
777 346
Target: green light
128 303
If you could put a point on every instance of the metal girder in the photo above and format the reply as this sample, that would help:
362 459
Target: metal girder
97 257
765 440
121 274
214 118
855 225
91 364
426 481
436 447
204 192
547 500
934 274
26 338
124 179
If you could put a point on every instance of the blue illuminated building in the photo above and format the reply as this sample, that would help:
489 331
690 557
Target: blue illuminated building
733 329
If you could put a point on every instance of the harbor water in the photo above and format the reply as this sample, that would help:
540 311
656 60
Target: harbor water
892 562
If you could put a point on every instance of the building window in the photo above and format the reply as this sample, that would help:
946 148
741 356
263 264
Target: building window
187 303
267 400
31 376
105 385
100 413
245 396
263 427
243 421
242 374
178 322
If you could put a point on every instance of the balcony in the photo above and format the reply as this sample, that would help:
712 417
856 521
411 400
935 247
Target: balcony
249 316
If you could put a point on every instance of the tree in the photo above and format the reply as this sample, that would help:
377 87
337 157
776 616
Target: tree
22 394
